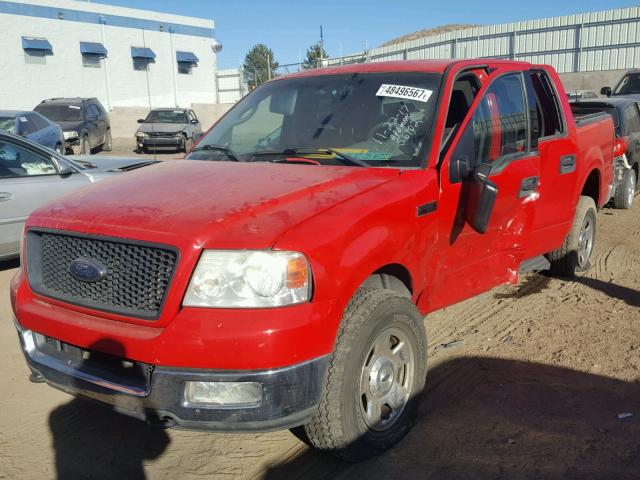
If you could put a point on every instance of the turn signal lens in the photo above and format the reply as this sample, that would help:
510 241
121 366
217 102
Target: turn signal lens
297 272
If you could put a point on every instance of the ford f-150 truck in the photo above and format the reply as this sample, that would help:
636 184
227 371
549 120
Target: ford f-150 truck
278 277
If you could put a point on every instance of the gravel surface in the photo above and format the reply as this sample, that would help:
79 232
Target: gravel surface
525 382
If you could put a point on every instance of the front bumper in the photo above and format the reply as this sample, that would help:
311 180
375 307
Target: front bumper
157 395
159 143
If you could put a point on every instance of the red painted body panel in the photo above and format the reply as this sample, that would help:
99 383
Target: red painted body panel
349 222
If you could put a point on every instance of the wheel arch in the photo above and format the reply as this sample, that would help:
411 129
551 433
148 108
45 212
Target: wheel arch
591 186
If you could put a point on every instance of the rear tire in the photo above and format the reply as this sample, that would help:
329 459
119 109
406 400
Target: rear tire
627 191
375 377
574 254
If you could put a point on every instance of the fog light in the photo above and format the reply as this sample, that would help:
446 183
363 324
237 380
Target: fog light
223 394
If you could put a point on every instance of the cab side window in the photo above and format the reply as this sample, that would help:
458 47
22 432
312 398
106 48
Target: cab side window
18 162
499 126
549 121
500 122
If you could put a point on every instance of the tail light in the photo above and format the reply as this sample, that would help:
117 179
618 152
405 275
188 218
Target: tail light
620 146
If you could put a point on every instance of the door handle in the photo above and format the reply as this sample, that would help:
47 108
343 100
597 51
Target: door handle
5 196
528 186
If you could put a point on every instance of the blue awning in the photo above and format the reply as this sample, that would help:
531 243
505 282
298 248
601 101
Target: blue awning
187 57
92 48
30 43
139 52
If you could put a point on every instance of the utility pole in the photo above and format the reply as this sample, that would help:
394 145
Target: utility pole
268 66
321 46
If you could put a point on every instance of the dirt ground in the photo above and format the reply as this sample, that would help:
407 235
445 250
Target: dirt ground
525 382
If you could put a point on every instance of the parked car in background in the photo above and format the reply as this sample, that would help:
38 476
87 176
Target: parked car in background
31 175
626 118
580 94
33 126
629 84
168 129
84 121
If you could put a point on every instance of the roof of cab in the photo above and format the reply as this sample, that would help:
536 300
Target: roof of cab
427 66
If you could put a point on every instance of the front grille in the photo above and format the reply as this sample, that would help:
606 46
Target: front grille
137 276
162 134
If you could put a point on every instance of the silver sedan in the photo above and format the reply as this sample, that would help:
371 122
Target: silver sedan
31 175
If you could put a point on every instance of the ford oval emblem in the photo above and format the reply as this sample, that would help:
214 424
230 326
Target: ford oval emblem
87 270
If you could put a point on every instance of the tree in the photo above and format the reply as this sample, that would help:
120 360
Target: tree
314 56
259 65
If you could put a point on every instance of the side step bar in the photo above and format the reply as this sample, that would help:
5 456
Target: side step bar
535 264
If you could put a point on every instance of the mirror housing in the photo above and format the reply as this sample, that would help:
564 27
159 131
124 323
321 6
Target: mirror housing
63 167
606 91
283 102
481 199
194 122
141 120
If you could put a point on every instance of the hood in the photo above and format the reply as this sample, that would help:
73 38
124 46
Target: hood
162 127
208 204
74 126
94 164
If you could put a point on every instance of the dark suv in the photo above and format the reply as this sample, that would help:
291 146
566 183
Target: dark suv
84 121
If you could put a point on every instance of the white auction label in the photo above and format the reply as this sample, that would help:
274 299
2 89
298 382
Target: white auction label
400 91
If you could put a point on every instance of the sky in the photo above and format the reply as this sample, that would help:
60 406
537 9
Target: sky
289 28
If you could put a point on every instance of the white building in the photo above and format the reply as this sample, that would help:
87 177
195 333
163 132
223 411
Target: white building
122 56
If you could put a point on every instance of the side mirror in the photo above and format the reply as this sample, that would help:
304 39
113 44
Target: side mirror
194 122
141 120
606 91
480 199
63 167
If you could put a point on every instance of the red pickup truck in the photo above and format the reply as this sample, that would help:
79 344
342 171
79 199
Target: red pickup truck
278 277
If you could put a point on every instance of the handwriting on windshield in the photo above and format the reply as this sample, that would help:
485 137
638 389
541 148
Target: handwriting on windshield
400 128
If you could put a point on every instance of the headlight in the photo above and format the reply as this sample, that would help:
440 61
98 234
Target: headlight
141 135
246 279
68 135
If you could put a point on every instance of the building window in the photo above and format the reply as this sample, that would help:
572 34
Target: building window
91 60
141 64
35 57
185 68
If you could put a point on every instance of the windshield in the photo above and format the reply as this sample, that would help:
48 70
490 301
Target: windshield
8 124
60 113
629 85
379 119
166 116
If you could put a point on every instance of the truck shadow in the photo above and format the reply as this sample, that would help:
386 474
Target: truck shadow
630 296
93 441
488 418
9 264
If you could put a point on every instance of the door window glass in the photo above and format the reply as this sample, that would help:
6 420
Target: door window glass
500 121
631 120
16 162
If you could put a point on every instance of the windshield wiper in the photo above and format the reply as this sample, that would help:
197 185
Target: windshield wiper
219 148
302 151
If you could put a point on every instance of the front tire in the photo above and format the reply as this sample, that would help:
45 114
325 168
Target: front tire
574 254
375 378
85 147
627 191
107 146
